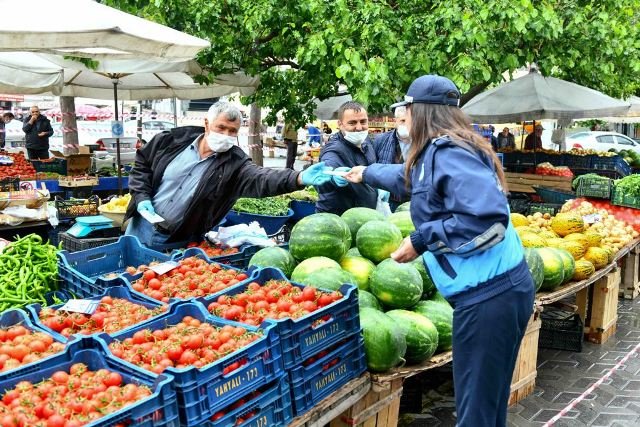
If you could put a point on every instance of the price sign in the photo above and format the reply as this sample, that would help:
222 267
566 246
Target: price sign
164 268
592 218
84 306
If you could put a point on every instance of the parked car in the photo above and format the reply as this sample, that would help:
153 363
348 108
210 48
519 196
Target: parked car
602 141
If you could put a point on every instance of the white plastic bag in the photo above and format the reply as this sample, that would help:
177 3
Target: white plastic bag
383 207
238 235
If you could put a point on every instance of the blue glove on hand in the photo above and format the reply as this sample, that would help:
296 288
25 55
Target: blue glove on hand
338 180
383 195
314 175
146 205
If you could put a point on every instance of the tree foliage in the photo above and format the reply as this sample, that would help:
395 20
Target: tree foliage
309 49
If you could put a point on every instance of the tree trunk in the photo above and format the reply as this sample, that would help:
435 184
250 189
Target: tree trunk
69 126
139 122
255 136
475 90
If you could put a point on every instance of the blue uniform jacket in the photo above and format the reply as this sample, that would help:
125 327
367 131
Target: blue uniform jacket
338 152
387 150
460 213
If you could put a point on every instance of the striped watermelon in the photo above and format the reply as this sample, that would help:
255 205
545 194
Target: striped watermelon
376 240
329 278
396 285
366 299
441 315
420 333
384 341
321 234
357 217
403 221
308 266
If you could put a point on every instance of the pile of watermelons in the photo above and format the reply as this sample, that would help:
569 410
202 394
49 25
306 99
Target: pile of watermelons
402 316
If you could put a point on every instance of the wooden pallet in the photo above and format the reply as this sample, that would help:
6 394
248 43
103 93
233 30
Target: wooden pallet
525 372
379 408
524 182
602 315
630 275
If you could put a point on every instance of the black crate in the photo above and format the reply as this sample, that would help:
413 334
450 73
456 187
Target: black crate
599 188
10 184
54 165
519 205
54 233
75 208
561 330
74 244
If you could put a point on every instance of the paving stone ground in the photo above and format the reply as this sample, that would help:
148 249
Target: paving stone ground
562 377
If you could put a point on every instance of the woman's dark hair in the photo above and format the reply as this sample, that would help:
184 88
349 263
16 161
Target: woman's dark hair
428 121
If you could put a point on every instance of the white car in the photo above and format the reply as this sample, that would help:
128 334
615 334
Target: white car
602 141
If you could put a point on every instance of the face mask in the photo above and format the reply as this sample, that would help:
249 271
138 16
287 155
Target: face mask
404 149
403 132
356 138
219 142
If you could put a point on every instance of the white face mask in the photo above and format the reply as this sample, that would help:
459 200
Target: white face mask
219 142
356 138
404 149
403 132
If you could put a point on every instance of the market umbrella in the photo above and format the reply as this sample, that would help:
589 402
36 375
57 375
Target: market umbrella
536 97
328 109
87 28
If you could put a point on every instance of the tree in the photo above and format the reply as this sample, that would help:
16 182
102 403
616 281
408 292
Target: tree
307 49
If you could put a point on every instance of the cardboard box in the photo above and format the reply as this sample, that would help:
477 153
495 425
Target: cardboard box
77 164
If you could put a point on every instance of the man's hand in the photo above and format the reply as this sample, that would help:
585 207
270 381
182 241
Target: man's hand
355 174
33 119
41 134
406 252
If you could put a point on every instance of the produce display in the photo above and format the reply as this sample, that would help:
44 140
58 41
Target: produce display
117 204
19 346
192 278
236 405
309 265
309 194
28 270
396 285
403 221
112 315
629 156
321 234
276 299
548 169
274 257
357 217
629 185
420 334
69 399
376 240
272 206
21 167
212 250
189 343
385 343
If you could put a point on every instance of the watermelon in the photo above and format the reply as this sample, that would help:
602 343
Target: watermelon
360 268
376 240
357 217
366 299
437 296
404 207
329 278
568 262
536 266
310 265
553 268
384 341
403 221
353 251
321 234
428 288
274 257
396 285
441 315
420 333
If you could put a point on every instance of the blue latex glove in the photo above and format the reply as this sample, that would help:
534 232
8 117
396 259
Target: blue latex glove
338 180
383 195
146 205
314 175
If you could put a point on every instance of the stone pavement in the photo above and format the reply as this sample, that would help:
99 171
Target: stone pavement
562 377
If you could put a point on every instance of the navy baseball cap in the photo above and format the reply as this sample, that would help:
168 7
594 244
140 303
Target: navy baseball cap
431 89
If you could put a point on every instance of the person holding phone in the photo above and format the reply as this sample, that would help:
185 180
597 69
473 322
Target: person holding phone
37 129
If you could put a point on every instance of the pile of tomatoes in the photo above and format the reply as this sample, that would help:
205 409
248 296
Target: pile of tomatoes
21 167
68 399
239 404
19 346
112 315
189 343
193 278
212 250
276 299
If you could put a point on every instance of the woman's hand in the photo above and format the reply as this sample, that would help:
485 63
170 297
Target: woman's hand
355 175
406 252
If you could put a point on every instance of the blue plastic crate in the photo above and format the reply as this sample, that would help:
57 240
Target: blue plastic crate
310 384
201 390
302 209
238 260
552 195
573 161
158 410
614 164
271 224
299 338
272 408
79 271
115 292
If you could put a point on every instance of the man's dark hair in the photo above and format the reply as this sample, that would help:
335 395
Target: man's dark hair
10 115
350 105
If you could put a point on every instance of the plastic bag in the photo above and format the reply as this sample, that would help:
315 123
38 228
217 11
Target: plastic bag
383 207
238 235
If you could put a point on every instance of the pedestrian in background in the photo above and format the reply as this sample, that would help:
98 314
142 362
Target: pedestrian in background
290 137
6 118
37 129
506 139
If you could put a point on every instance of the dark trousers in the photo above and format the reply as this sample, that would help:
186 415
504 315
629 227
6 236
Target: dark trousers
486 340
35 154
292 150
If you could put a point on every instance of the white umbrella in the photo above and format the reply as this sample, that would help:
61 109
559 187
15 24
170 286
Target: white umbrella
327 109
90 29
536 97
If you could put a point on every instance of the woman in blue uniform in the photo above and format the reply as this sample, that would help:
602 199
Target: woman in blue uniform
467 242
